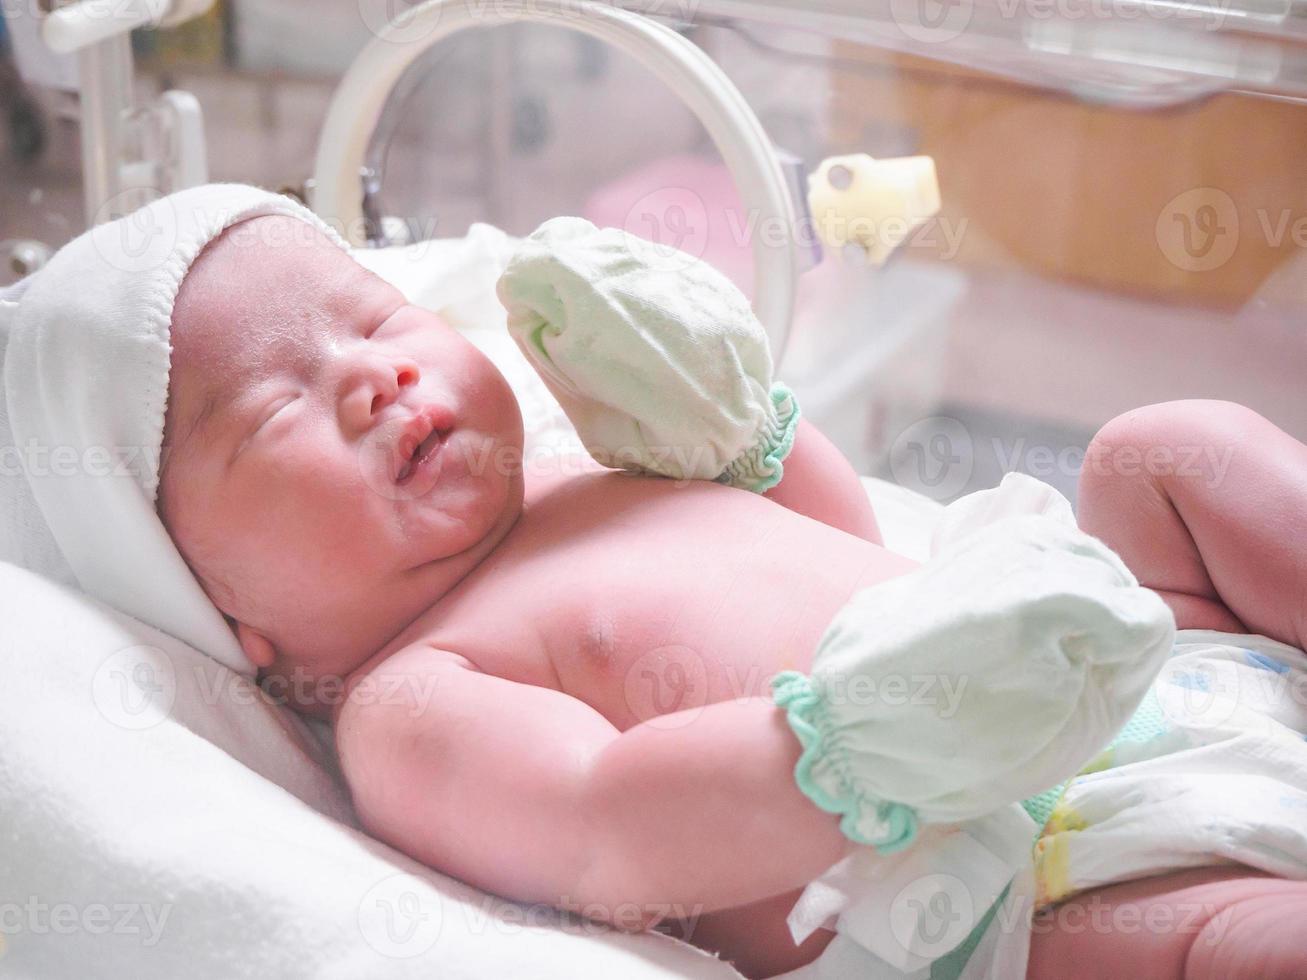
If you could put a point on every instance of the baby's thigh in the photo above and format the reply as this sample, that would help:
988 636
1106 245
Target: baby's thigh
1203 924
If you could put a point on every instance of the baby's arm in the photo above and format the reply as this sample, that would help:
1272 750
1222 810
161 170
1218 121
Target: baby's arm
819 483
530 793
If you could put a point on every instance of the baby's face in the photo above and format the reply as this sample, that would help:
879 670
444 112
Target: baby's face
336 458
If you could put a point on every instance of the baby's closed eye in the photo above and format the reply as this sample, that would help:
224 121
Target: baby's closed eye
266 420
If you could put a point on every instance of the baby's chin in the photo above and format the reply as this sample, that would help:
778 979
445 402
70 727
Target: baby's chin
315 683
470 526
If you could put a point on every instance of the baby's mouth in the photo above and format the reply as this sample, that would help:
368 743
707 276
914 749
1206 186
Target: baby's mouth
423 452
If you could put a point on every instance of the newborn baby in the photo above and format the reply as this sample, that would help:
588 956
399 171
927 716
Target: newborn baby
343 477
564 687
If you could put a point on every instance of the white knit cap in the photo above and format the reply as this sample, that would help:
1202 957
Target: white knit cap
86 386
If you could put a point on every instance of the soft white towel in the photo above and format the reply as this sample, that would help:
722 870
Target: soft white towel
25 538
86 385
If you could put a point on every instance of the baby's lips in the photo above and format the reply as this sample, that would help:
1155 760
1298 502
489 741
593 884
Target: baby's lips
386 452
413 431
422 457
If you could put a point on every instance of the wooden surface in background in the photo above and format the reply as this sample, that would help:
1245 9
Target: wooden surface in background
1082 192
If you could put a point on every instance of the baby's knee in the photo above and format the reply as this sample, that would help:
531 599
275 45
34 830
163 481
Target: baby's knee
1190 418
1169 441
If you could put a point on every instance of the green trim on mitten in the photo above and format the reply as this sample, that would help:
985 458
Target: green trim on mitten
761 468
822 772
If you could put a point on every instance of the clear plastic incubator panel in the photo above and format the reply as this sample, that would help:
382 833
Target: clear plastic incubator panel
1116 227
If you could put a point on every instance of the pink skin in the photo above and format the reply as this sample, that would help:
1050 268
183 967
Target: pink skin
284 500
295 524
1208 924
1207 503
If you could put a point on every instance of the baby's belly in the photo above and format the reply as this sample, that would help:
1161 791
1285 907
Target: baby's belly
699 627
645 599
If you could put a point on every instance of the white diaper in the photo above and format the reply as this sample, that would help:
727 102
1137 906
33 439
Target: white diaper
1212 771
1223 779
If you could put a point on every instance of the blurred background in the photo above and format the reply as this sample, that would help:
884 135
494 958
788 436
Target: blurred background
1123 218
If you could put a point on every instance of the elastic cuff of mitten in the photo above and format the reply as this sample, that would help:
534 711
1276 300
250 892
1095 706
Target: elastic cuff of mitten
824 775
761 467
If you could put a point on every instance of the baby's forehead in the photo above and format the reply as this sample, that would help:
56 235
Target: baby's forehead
264 291
262 284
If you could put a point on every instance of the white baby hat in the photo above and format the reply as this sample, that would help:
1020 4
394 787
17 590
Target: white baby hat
86 363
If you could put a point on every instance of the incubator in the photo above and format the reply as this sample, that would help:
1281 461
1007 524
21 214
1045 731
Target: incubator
974 231
1116 219
1112 230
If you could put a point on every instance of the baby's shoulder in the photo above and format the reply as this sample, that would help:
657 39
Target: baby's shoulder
395 676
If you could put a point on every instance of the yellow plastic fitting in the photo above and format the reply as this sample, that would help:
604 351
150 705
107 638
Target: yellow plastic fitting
874 204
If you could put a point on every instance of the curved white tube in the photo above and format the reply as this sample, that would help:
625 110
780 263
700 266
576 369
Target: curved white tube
359 99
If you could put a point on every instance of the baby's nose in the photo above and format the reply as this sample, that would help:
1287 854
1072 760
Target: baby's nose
370 384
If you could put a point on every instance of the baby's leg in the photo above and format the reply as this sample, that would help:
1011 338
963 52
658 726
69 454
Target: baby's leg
1206 502
1201 924
820 483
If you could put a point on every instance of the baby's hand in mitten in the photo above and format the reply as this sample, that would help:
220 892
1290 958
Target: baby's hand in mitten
662 368
1032 644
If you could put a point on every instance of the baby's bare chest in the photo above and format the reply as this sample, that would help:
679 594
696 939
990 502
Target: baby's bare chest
645 599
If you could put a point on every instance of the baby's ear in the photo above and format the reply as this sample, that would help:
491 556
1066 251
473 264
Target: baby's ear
256 646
